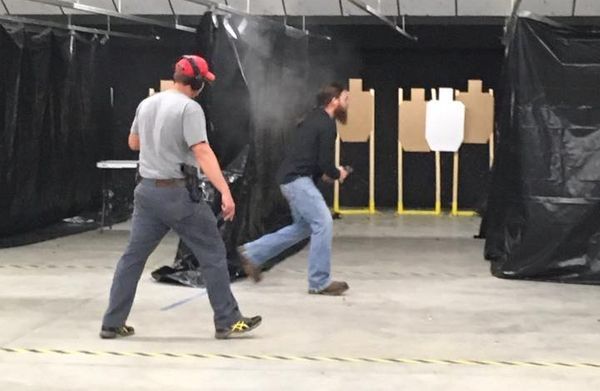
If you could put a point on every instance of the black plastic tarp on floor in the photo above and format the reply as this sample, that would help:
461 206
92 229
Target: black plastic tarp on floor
544 205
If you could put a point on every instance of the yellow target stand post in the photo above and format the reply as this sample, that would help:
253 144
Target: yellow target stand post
479 129
360 128
411 138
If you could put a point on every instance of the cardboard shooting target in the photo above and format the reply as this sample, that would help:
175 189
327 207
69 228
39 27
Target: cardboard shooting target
411 121
361 114
479 114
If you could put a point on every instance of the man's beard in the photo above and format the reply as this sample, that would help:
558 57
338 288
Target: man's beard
341 114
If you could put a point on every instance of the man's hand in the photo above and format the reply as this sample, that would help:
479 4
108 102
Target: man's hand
206 159
343 174
227 206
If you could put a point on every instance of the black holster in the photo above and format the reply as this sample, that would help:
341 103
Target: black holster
192 182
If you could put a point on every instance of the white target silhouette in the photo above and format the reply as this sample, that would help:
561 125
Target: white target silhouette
445 122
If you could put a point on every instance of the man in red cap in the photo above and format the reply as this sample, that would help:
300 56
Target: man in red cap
169 130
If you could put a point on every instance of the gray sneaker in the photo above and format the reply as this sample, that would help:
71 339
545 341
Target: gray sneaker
242 326
114 332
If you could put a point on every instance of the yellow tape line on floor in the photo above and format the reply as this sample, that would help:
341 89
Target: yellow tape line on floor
259 357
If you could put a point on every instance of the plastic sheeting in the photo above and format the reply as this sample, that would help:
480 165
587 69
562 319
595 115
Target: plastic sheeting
49 127
261 92
186 268
543 219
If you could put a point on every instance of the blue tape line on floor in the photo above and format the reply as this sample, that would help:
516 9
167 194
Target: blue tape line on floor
184 301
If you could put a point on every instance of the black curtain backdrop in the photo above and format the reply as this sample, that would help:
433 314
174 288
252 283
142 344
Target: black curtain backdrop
50 126
57 184
544 215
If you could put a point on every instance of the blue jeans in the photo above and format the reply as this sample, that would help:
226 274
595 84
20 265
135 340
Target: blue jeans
312 218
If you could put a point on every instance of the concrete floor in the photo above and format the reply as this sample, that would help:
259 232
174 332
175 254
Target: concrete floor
419 290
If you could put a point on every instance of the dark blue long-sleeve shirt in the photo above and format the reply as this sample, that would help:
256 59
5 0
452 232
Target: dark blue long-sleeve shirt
312 149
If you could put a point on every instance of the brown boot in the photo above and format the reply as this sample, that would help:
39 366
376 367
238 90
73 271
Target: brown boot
335 288
250 269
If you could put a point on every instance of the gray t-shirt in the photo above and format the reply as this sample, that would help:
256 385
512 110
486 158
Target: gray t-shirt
168 124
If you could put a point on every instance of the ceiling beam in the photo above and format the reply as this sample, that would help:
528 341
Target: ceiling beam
213 5
5 7
116 14
372 11
71 27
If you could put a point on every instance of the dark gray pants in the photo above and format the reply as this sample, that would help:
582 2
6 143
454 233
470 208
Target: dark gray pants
156 209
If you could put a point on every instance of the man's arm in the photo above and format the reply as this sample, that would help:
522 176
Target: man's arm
134 134
326 154
207 161
331 173
194 133
134 141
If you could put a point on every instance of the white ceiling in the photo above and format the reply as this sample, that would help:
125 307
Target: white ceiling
330 7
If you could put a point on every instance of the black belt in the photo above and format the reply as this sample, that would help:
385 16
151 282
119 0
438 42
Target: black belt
175 182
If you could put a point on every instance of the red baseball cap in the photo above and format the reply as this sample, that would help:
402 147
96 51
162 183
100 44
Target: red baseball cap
183 66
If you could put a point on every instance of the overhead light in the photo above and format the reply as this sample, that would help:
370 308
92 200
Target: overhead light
229 29
243 25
